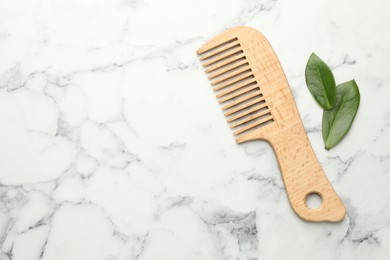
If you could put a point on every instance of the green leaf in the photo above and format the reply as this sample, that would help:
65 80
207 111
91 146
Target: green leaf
320 82
336 122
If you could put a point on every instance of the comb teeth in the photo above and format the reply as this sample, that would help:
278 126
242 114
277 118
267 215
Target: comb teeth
236 87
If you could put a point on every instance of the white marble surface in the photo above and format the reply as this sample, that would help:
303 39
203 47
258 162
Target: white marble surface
112 145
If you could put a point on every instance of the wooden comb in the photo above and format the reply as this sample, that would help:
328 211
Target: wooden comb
257 101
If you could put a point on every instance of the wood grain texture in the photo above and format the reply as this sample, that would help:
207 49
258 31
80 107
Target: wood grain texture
256 98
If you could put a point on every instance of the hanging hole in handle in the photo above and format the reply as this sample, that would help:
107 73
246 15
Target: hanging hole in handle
313 200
